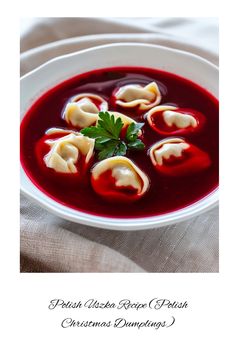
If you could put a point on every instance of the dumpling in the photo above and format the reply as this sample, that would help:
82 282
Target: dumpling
125 120
69 153
176 157
118 178
83 110
170 120
180 120
165 149
134 95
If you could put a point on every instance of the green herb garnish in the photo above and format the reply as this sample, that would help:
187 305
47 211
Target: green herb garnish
107 136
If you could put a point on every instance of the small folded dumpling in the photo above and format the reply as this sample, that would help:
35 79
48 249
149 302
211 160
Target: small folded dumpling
176 157
118 178
171 120
82 111
141 97
68 153
180 120
125 120
165 149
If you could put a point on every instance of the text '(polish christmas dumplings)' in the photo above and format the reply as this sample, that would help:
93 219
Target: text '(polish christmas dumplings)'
176 157
68 153
83 110
170 120
141 97
118 178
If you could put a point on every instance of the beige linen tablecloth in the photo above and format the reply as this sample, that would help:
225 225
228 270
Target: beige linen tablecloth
51 244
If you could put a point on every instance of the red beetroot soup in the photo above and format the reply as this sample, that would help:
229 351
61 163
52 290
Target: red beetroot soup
165 193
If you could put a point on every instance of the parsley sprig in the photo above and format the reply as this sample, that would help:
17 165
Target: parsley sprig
107 136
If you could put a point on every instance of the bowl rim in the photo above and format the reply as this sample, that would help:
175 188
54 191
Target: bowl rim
115 223
124 44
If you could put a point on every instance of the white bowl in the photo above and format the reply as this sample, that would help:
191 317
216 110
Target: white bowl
35 83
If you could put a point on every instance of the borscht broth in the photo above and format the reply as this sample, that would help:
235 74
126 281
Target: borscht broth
165 163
